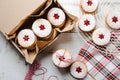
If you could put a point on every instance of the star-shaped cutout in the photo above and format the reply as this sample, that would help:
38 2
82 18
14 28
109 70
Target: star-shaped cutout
114 19
26 38
78 69
42 27
86 22
61 58
56 16
101 36
89 2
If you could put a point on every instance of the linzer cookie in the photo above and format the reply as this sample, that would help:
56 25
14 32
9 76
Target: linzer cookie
78 70
42 28
62 58
113 19
101 36
87 23
89 5
56 17
26 39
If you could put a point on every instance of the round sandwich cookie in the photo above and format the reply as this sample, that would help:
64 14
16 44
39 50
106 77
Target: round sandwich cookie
57 17
89 5
87 22
78 70
113 19
26 39
42 28
101 36
62 58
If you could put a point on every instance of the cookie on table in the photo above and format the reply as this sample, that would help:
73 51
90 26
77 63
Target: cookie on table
78 70
113 19
42 28
101 36
89 5
87 22
57 17
62 58
26 39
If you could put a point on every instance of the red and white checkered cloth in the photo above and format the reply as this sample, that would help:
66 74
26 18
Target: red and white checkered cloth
103 62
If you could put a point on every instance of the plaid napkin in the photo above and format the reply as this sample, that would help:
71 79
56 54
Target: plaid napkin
103 62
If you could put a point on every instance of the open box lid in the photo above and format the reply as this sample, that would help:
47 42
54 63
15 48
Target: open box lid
13 11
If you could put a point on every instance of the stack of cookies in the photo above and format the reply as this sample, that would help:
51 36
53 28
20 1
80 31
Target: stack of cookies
42 28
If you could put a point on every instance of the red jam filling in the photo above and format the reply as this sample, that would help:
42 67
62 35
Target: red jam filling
101 36
56 16
26 38
78 69
86 22
61 58
42 27
114 19
89 2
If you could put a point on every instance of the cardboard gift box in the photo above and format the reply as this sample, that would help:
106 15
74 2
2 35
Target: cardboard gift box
10 32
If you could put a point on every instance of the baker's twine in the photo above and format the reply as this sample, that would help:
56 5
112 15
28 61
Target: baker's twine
36 66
